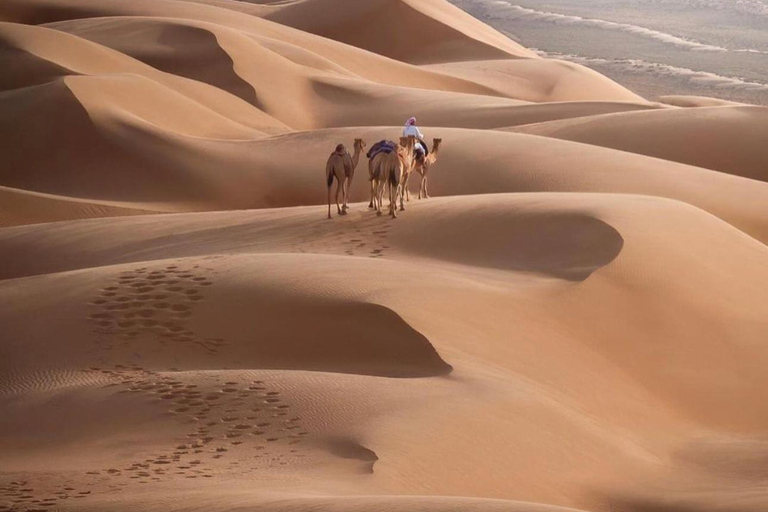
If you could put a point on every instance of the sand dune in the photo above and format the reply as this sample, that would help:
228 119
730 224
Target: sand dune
23 207
45 51
540 80
99 155
264 77
323 95
728 138
567 380
292 43
575 322
243 174
447 34
281 38
485 162
697 101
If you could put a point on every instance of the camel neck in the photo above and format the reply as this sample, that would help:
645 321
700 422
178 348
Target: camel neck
356 157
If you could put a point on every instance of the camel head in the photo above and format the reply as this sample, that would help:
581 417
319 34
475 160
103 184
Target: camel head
436 143
359 145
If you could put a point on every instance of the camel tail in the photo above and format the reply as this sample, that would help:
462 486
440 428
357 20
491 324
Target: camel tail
395 178
329 173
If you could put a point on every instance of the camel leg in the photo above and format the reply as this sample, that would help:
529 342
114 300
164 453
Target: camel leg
383 188
345 193
370 205
395 190
338 191
404 185
407 190
329 201
426 187
393 193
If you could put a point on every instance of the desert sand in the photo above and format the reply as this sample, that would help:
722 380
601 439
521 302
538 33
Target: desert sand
576 320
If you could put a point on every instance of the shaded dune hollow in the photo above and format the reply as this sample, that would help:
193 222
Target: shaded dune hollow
169 46
564 245
260 319
336 336
352 450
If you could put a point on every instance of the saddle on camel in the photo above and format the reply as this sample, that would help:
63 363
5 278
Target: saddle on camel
383 146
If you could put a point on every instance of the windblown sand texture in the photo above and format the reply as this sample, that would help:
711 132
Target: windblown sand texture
577 320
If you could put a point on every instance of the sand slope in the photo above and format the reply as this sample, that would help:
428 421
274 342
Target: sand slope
24 207
386 27
323 94
697 101
610 390
40 52
291 42
239 174
728 139
539 80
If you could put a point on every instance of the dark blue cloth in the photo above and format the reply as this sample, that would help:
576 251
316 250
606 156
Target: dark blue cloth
383 146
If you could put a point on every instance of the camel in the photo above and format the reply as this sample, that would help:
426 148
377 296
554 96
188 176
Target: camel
377 148
422 167
407 144
387 172
341 167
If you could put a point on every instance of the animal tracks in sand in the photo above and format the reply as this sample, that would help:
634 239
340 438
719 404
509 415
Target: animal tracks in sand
152 305
234 426
20 495
366 237
226 415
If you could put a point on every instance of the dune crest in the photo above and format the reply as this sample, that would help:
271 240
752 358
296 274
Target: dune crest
728 136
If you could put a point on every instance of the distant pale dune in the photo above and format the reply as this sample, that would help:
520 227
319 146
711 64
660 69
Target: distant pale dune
575 321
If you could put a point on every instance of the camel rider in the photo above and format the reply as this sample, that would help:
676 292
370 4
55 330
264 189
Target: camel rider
412 129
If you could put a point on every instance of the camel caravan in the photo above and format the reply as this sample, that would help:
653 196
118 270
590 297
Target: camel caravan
390 166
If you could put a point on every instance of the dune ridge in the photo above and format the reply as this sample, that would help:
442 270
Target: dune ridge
728 136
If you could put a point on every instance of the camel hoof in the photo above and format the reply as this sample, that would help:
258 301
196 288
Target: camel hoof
378 213
402 208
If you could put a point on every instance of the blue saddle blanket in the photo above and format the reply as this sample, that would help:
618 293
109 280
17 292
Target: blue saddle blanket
383 146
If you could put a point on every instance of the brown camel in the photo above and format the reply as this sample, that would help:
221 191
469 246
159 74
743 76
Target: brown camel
341 167
387 173
422 167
